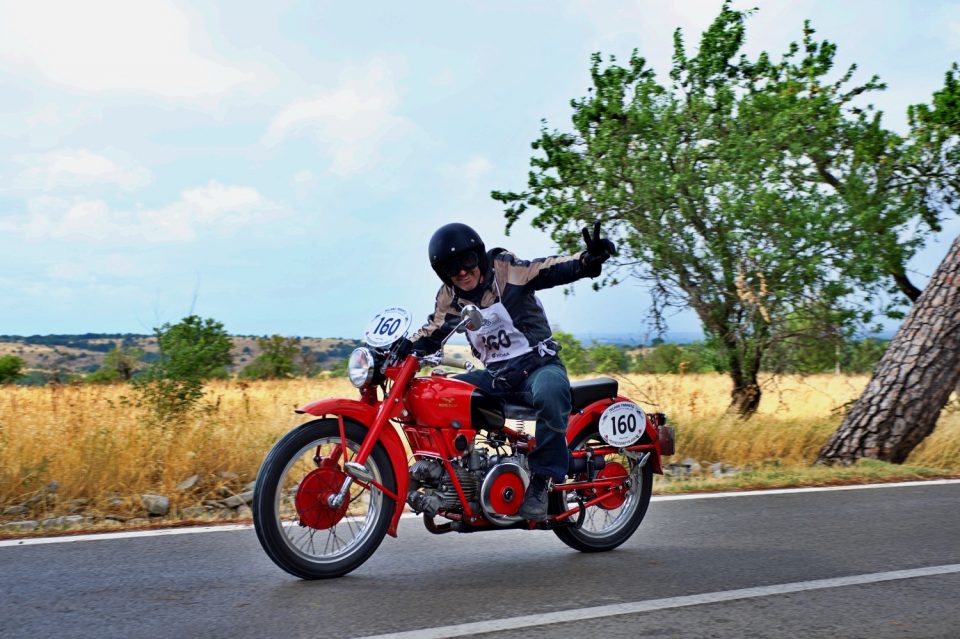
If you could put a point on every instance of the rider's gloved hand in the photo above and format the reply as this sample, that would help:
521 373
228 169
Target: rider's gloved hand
599 250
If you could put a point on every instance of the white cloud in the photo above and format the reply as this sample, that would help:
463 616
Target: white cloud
211 209
303 181
468 174
649 26
950 19
113 45
77 168
351 120
215 207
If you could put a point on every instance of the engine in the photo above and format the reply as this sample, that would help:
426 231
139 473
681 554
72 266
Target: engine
493 484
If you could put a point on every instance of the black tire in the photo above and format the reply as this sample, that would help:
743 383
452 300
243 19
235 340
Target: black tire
616 528
295 547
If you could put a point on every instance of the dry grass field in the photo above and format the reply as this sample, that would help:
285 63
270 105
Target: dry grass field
101 448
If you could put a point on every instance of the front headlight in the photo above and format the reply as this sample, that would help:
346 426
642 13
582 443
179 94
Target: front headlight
360 367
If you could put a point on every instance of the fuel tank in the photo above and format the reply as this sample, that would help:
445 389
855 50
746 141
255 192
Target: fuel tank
443 402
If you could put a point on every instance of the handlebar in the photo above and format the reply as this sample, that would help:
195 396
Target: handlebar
436 360
455 363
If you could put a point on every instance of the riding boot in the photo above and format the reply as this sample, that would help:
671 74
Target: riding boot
534 506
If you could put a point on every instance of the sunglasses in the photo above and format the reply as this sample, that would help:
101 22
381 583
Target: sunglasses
465 262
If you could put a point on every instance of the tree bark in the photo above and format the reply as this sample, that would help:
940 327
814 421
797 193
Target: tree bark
744 399
745 396
913 380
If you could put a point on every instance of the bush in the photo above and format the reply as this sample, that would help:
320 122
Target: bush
119 365
11 368
191 351
277 359
572 353
608 358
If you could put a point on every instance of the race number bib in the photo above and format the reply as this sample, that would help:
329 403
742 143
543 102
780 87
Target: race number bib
622 424
387 327
498 340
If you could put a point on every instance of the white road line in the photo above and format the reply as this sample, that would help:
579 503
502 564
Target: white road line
580 614
230 527
123 535
790 491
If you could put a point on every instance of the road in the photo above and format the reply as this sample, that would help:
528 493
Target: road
682 575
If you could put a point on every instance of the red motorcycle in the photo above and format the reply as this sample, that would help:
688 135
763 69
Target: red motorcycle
330 489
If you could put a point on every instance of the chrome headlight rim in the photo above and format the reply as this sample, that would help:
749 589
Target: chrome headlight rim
361 367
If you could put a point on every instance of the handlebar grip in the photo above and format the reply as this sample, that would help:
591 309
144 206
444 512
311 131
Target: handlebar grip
453 363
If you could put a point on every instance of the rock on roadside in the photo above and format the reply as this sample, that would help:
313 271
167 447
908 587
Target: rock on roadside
156 504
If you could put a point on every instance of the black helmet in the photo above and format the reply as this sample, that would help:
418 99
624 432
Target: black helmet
452 240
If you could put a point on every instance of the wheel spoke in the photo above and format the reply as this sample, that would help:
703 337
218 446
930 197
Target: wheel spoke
348 527
600 521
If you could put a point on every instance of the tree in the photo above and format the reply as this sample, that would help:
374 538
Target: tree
755 192
119 365
191 351
572 353
307 361
902 402
193 348
608 358
664 358
864 355
914 378
11 368
277 359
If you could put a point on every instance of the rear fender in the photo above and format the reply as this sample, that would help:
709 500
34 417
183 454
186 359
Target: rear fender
591 415
364 415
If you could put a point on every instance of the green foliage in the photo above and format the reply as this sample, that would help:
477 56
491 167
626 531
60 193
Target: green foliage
665 358
119 365
339 369
760 193
277 359
170 400
598 358
193 348
191 351
11 368
572 353
307 362
864 355
608 358
34 378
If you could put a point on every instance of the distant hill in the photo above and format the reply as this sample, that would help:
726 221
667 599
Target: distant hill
638 339
80 354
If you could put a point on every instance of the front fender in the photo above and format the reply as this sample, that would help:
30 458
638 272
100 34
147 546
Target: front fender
591 415
364 415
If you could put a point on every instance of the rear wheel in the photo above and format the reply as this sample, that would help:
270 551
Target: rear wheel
295 523
614 519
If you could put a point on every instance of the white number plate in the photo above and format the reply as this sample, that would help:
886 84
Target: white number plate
622 424
387 327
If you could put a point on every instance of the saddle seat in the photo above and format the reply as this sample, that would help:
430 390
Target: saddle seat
583 394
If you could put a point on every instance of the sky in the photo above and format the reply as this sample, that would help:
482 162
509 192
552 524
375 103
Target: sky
281 166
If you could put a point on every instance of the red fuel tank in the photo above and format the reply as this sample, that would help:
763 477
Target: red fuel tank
442 402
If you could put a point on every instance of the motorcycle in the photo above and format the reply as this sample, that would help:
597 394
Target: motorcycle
330 490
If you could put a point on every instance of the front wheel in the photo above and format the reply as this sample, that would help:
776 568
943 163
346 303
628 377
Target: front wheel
614 519
295 523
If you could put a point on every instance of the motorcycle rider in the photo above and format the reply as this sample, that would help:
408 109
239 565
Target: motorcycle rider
514 343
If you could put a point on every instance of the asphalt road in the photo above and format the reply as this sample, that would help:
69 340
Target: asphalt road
220 584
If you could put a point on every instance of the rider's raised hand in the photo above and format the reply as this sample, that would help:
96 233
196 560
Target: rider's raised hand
599 250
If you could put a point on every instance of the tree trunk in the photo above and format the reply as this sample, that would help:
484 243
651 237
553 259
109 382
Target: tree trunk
913 380
745 396
745 399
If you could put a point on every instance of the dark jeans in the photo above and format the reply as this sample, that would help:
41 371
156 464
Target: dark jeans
548 390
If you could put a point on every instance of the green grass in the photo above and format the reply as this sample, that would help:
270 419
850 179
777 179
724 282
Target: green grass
775 476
